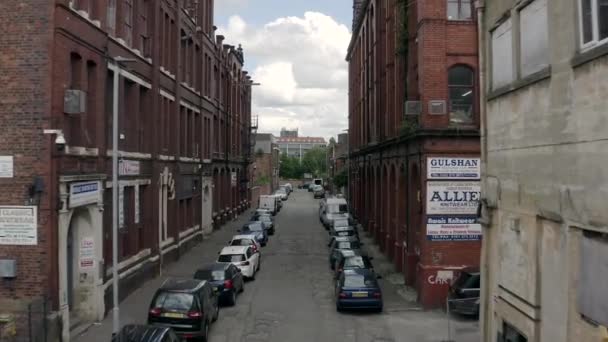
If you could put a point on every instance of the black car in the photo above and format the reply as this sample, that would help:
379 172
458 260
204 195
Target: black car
464 293
338 245
267 221
188 306
358 289
226 280
352 261
256 228
343 231
144 333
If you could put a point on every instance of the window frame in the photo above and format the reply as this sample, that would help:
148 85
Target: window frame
473 89
460 5
595 27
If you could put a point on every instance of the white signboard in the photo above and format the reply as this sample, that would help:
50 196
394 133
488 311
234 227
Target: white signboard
121 207
233 178
136 206
453 168
129 168
87 253
451 228
452 198
6 166
84 193
18 225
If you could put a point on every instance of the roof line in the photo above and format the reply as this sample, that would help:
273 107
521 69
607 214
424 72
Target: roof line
358 24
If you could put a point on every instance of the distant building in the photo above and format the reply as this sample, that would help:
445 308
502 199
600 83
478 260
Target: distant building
337 154
294 146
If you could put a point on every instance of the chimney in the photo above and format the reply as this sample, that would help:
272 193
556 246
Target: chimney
357 8
220 39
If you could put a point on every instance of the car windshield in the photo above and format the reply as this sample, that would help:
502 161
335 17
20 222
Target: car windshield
231 258
341 223
241 242
348 245
264 219
209 275
174 301
343 208
254 227
467 281
359 280
356 262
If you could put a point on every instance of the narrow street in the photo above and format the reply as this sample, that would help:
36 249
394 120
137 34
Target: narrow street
291 298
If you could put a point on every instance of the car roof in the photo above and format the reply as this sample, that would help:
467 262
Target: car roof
336 200
234 250
350 252
182 285
140 333
358 271
244 236
346 238
213 267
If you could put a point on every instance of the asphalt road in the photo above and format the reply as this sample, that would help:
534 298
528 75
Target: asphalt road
291 298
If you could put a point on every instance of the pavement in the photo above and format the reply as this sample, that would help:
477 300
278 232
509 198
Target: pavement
292 297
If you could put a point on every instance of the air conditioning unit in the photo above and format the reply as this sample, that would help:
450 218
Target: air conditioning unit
74 101
437 107
413 107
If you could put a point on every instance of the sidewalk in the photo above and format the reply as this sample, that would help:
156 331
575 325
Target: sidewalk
135 307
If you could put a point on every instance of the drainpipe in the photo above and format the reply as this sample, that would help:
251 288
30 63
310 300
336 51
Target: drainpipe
484 305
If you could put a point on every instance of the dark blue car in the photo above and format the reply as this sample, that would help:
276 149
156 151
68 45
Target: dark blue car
358 289
256 228
225 278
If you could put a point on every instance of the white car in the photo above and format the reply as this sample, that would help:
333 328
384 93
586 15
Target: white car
242 257
245 240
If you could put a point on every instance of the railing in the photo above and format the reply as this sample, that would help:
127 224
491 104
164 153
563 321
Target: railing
27 324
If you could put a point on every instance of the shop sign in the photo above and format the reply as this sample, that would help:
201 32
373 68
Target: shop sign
452 198
453 168
129 168
87 253
6 166
84 193
18 225
453 228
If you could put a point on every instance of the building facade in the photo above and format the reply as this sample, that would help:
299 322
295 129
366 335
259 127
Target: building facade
266 165
295 146
337 161
414 137
184 108
545 250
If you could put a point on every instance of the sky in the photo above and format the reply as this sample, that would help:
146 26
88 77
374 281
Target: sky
296 50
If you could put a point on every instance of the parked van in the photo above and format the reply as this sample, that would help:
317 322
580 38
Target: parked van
318 181
269 202
333 207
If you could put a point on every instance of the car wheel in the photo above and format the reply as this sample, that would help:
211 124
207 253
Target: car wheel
232 299
338 308
252 275
259 265
217 313
205 337
242 287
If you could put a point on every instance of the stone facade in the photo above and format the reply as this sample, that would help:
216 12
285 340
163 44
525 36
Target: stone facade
544 177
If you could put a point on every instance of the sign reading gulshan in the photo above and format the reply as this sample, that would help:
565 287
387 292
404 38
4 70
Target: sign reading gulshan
453 168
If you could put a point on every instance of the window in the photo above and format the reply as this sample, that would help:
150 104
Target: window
592 301
128 21
144 39
459 10
594 22
502 57
111 17
510 334
462 94
534 38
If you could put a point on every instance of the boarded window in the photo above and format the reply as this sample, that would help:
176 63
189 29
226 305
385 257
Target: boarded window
502 56
592 299
534 38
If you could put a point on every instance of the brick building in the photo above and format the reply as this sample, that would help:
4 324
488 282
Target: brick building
266 165
414 127
337 156
185 121
295 146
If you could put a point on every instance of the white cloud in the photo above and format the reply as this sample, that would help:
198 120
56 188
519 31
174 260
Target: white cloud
300 64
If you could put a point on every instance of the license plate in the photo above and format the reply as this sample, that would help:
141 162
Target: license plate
343 234
173 315
359 294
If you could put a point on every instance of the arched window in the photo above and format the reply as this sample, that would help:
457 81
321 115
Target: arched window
462 95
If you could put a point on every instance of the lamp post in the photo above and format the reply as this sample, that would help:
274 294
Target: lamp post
115 67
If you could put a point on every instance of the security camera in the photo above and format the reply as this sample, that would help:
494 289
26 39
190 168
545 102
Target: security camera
60 142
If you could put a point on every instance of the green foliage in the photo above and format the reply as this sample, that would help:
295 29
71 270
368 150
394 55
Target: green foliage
341 179
290 167
263 180
408 127
259 153
315 161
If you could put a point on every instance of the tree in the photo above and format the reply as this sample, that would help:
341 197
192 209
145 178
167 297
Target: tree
341 179
315 161
290 167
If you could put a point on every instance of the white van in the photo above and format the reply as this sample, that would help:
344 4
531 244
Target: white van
333 207
269 202
318 181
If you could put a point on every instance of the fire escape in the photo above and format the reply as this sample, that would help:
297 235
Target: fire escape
248 146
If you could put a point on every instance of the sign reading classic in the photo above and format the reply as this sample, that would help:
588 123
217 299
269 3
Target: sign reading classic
452 198
453 168
18 225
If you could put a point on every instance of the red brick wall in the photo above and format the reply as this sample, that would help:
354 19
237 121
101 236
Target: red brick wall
25 67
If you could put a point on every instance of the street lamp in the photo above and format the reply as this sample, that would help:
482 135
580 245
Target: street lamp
116 69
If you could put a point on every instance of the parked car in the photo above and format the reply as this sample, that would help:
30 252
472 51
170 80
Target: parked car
349 261
465 292
289 187
358 289
145 333
309 186
279 201
226 279
318 192
269 203
283 193
256 228
245 240
242 257
342 243
260 211
188 306
267 222
343 231
335 208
